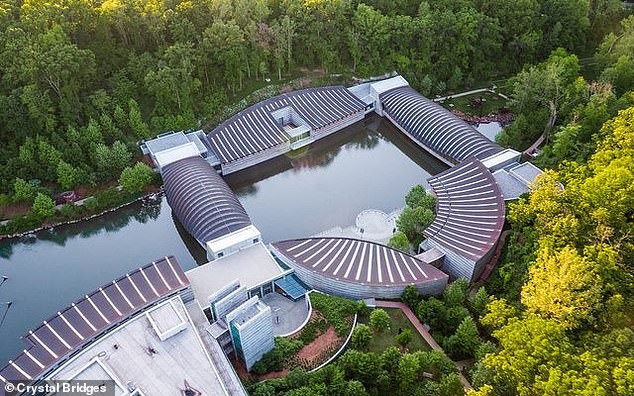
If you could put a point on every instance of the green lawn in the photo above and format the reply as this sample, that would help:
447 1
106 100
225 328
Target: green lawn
492 105
382 341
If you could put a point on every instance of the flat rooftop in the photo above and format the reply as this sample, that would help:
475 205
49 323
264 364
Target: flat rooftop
252 266
249 313
135 357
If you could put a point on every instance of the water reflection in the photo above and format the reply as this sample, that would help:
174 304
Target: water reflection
368 165
54 268
195 249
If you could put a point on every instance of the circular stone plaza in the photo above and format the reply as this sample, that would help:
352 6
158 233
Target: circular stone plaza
160 328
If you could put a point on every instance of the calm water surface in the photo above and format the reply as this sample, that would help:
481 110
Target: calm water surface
369 165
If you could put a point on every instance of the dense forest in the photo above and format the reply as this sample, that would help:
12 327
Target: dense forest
83 81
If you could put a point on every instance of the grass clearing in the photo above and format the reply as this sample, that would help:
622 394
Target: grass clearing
492 104
386 339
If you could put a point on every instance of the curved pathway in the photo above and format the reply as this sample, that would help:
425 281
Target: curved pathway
423 332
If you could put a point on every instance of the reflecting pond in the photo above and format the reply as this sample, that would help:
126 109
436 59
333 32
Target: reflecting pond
368 165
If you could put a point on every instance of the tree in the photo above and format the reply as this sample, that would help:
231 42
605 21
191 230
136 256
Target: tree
224 42
23 191
412 222
418 196
480 301
529 346
498 314
620 74
464 342
404 338
134 179
135 121
432 312
399 241
411 296
67 175
450 385
283 34
542 89
408 369
112 160
456 293
361 337
563 286
370 34
380 320
43 206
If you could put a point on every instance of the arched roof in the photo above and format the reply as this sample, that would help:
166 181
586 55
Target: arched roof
357 261
434 126
470 210
88 318
201 199
255 129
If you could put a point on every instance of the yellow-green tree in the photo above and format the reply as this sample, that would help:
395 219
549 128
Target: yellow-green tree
563 286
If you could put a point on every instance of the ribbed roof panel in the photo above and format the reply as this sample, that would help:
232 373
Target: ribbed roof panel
434 126
470 210
254 129
201 200
357 261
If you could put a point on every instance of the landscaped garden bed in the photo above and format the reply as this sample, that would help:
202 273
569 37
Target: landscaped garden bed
325 333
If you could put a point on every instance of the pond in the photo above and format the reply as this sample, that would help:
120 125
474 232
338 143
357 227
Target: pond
368 165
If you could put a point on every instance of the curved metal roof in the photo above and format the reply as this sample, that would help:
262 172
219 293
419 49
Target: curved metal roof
469 210
93 315
358 261
434 126
255 129
201 199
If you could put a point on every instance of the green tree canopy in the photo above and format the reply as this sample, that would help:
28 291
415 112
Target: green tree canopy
379 320
134 179
43 206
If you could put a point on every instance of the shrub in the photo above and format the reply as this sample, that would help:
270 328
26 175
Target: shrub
361 337
275 359
313 330
91 204
411 296
335 310
70 211
21 224
404 338
379 320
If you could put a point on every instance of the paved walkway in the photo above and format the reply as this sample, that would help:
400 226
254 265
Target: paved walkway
421 329
467 93
377 227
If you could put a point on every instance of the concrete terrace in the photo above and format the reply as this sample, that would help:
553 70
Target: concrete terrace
291 314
